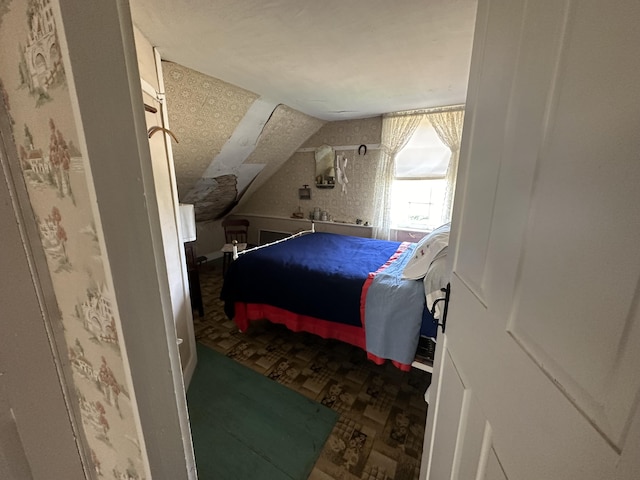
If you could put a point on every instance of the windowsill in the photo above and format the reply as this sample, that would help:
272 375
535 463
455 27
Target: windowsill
408 234
413 229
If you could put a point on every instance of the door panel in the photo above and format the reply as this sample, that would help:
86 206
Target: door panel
589 183
471 258
543 318
474 438
461 429
13 458
450 415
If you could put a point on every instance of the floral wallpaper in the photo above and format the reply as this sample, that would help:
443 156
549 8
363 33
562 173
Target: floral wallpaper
34 89
279 195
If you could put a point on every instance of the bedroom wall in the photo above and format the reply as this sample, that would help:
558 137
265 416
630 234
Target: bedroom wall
279 195
55 169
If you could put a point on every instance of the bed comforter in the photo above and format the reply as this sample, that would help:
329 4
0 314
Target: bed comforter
349 284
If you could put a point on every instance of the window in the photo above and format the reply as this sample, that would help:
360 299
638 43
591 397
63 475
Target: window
417 204
419 185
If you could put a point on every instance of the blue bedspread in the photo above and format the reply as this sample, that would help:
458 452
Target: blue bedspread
328 283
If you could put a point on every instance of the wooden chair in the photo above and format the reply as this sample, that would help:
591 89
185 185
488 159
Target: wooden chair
234 229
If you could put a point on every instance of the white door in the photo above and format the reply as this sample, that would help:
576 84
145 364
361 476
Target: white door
174 253
538 374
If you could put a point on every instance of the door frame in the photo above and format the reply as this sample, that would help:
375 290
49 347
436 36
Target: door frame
107 102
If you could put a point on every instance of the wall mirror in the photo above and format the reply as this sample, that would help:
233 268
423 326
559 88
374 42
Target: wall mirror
325 167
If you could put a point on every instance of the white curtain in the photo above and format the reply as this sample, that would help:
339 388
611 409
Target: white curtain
448 126
397 129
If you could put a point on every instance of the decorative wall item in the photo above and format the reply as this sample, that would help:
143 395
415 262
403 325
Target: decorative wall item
325 159
341 172
304 193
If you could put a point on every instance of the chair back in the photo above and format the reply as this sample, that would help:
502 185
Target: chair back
235 229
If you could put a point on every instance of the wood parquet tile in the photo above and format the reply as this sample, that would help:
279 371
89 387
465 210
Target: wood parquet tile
382 410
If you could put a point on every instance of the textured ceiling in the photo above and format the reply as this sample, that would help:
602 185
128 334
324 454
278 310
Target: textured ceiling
331 59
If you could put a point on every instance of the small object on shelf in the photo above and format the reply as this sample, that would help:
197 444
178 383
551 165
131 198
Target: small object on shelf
298 213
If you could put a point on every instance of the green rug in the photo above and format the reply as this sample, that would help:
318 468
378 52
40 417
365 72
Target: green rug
246 426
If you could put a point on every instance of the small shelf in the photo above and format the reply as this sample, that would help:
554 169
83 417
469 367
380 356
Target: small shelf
305 220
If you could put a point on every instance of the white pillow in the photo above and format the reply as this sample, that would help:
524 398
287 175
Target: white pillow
425 252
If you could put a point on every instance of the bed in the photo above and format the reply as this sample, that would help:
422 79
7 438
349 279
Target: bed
381 296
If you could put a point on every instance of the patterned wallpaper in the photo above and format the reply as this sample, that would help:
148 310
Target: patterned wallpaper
281 137
279 195
203 113
34 89
349 132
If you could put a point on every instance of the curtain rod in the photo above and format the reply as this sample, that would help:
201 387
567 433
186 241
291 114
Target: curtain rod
447 108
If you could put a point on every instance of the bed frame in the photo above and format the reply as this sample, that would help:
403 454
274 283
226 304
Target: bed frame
236 253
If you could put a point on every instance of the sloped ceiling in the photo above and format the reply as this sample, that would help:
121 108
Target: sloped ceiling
203 113
285 67
227 136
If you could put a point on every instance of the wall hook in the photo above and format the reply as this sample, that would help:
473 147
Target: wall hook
153 130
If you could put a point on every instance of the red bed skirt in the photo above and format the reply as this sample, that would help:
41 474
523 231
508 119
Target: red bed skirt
247 312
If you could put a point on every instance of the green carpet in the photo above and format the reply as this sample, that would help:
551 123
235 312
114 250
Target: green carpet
246 426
